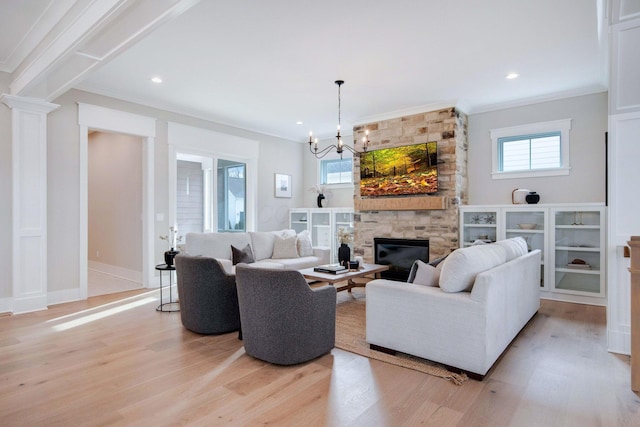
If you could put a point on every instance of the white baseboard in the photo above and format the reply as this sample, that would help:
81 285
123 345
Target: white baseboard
619 342
6 305
119 272
65 295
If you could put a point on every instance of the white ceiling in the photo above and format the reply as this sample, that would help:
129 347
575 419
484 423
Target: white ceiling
263 65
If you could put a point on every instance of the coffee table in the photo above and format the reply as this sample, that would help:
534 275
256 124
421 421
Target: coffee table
348 277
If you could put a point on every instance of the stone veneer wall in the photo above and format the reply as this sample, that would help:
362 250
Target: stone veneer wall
448 128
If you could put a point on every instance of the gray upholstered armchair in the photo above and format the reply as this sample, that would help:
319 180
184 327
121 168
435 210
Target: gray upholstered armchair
284 321
208 298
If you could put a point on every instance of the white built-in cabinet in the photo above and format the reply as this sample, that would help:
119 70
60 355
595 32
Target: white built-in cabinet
570 237
323 225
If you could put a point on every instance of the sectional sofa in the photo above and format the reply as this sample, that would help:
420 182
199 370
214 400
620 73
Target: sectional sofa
268 249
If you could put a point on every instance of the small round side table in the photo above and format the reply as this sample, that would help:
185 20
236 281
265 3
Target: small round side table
170 306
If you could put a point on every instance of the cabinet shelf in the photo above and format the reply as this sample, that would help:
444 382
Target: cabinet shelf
578 227
480 225
577 249
522 230
577 271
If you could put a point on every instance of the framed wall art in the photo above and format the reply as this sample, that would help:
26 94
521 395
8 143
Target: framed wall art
283 185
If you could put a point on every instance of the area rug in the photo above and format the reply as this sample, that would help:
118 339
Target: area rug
350 336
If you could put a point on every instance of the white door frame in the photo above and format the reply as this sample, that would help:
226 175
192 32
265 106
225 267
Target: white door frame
214 145
105 119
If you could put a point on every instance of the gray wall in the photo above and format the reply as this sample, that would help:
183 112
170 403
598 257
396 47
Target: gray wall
276 155
585 184
115 200
586 181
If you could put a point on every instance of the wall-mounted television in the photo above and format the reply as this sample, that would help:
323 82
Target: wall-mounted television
406 170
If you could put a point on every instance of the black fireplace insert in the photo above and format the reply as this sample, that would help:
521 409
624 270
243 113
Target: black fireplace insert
399 255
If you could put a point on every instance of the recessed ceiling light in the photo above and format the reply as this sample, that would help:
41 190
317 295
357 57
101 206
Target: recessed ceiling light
512 76
156 79
299 122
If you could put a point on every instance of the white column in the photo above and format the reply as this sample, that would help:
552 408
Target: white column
29 201
624 151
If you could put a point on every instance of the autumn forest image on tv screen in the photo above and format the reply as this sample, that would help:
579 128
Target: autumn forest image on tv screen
411 169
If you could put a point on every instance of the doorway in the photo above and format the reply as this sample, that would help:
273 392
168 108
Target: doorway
107 120
114 213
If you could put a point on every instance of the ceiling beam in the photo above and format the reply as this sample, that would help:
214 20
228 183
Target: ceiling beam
91 37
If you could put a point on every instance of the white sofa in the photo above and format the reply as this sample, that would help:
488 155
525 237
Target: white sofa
486 295
218 245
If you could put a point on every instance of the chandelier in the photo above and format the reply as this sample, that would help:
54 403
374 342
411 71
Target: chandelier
339 146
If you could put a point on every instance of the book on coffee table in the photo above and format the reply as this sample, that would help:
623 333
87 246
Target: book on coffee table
331 268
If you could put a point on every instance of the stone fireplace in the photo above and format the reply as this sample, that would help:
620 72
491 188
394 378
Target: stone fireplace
448 128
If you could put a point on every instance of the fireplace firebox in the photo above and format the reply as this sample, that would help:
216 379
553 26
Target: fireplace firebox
399 255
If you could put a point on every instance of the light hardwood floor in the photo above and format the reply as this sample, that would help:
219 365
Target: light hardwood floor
114 360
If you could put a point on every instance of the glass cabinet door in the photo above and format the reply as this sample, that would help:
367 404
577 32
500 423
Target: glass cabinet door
578 255
321 229
478 225
298 220
531 226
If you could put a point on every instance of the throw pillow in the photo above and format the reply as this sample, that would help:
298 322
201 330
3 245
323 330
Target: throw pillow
426 274
513 247
284 247
242 255
460 268
303 242
435 263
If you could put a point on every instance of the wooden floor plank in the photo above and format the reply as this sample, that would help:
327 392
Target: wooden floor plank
114 360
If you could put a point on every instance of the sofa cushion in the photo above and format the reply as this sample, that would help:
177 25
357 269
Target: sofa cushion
425 274
284 247
303 242
242 255
262 244
513 247
460 268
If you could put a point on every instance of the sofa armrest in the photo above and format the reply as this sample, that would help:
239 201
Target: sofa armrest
323 254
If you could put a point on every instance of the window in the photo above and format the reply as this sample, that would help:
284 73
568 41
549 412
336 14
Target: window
336 171
540 149
231 196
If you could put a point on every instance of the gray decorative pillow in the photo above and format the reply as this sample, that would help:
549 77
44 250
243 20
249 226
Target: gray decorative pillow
285 247
242 255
